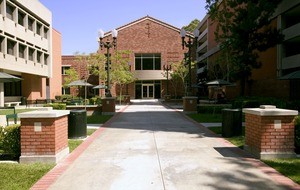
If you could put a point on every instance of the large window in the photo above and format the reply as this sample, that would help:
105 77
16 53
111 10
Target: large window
10 11
45 32
21 18
12 89
22 49
31 54
1 44
64 69
147 62
38 28
30 23
11 47
39 56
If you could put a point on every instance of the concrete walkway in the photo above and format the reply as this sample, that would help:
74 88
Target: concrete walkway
149 146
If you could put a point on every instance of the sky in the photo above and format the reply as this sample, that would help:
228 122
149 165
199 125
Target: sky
78 21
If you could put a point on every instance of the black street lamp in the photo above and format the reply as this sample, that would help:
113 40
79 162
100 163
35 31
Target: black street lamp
167 68
108 45
189 44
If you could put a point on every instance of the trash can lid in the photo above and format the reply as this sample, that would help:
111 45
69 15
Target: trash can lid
77 111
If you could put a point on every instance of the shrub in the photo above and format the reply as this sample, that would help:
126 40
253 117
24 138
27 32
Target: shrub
95 101
255 101
66 97
10 140
56 106
58 98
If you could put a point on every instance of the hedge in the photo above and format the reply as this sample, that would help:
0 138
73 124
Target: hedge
56 106
10 140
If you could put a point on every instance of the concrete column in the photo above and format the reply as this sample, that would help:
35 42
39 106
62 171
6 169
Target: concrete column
1 94
44 136
269 132
108 105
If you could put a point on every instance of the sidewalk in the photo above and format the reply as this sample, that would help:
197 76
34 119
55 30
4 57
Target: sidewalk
149 146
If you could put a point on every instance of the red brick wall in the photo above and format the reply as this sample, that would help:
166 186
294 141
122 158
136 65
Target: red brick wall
150 36
261 136
52 139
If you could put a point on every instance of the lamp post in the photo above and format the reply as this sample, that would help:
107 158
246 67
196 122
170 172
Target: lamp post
129 67
167 68
189 44
108 45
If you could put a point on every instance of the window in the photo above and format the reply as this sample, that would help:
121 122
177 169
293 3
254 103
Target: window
46 59
31 54
21 18
11 47
45 32
22 49
66 90
39 56
64 69
38 28
147 62
1 44
12 88
10 11
30 23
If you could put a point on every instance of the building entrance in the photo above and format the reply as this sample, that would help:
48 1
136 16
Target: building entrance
148 91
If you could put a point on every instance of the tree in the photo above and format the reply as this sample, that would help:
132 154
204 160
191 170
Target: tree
71 75
121 74
180 71
192 26
244 30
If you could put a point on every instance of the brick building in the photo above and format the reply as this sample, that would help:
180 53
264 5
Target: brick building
152 44
276 62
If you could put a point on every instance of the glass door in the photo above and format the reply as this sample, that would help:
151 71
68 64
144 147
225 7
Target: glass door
148 91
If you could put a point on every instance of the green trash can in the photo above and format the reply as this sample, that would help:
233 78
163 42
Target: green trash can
231 122
77 124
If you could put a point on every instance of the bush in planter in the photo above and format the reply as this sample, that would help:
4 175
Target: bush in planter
56 106
297 134
10 140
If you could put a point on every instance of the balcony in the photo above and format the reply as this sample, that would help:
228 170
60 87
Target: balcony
291 62
292 32
149 74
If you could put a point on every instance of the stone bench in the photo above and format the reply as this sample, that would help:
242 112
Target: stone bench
9 104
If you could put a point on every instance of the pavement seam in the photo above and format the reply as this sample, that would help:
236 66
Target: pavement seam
49 178
157 154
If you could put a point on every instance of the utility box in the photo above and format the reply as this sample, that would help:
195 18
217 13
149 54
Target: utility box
231 122
77 124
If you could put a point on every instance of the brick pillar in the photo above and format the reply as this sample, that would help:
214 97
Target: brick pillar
108 105
190 104
44 136
269 132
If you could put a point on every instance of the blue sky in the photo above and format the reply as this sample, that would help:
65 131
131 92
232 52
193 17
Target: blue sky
79 20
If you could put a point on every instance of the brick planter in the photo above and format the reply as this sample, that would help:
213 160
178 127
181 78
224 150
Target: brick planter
269 132
190 104
108 105
44 136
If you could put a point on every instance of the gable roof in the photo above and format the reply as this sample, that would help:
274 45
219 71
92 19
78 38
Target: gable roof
151 19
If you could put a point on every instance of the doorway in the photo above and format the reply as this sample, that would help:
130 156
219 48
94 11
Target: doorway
147 91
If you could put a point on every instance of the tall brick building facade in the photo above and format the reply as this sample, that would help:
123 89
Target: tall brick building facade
152 44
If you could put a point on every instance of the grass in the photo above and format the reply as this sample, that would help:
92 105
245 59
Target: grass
22 176
74 143
11 111
206 117
97 118
288 167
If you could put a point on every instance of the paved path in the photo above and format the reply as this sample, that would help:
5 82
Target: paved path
151 147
